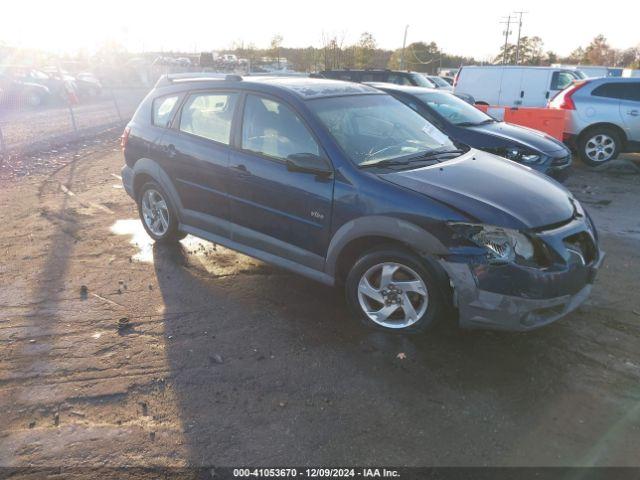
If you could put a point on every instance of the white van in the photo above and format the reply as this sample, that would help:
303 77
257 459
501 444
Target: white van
513 86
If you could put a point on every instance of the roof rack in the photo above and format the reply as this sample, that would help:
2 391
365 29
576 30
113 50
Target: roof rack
171 78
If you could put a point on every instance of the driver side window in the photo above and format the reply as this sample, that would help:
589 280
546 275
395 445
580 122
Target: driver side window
271 128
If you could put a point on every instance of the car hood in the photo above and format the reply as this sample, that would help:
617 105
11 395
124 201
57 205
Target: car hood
522 135
491 190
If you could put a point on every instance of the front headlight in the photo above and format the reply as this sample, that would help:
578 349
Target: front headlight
502 245
518 154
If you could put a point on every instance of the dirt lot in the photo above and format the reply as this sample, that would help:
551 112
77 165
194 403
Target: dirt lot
226 360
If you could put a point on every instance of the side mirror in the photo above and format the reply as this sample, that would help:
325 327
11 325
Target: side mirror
308 163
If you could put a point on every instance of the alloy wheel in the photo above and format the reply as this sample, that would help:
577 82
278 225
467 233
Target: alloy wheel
393 295
155 212
600 147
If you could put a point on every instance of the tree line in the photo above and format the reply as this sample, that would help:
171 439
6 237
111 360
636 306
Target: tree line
427 57
597 52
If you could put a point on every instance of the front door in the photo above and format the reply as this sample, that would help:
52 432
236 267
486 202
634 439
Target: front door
273 209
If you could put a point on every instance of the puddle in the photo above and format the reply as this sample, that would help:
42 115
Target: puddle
139 238
213 258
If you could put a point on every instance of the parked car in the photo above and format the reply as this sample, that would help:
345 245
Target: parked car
17 93
387 76
59 82
603 117
592 71
88 84
449 80
440 83
513 86
346 185
467 125
84 85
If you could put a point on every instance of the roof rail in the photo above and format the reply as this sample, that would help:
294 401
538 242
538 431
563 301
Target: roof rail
171 78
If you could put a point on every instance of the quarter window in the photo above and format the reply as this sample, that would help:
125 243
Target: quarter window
273 129
620 91
209 115
162 108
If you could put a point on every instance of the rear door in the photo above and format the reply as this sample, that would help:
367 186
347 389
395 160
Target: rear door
196 150
510 93
630 109
534 87
273 209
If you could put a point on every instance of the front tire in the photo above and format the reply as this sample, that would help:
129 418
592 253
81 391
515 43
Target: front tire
33 99
158 214
599 145
391 290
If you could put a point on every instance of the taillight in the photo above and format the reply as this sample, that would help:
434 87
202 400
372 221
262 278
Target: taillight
563 99
124 138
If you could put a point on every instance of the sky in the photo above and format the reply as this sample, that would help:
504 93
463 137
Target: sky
470 28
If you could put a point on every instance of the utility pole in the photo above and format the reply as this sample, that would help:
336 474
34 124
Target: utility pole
506 39
404 44
519 31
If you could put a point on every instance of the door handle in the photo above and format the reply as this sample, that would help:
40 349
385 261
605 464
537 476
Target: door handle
521 93
634 113
546 95
241 170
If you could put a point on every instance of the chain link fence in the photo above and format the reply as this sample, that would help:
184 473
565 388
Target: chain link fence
28 123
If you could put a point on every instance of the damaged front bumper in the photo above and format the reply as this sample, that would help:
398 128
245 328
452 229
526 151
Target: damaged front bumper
516 298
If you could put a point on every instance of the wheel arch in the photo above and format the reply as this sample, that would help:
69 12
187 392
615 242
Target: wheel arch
617 128
146 169
362 234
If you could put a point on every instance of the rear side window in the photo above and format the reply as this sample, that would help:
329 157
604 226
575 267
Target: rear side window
561 80
620 91
162 108
209 115
273 129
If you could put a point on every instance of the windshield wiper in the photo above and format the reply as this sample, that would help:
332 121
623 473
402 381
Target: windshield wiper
389 162
430 155
436 153
475 124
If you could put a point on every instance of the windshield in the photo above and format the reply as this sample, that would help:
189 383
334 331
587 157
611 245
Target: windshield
422 81
453 109
373 128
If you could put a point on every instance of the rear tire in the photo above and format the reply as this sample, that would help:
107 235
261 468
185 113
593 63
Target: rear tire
392 290
158 215
599 145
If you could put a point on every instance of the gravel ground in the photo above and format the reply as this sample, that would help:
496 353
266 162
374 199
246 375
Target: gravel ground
224 360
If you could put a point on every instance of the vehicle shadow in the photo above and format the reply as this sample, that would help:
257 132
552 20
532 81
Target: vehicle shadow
270 369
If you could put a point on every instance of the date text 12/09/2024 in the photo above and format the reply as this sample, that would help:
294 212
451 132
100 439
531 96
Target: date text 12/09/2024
315 473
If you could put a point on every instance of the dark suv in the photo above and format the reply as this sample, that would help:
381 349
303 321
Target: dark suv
344 184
